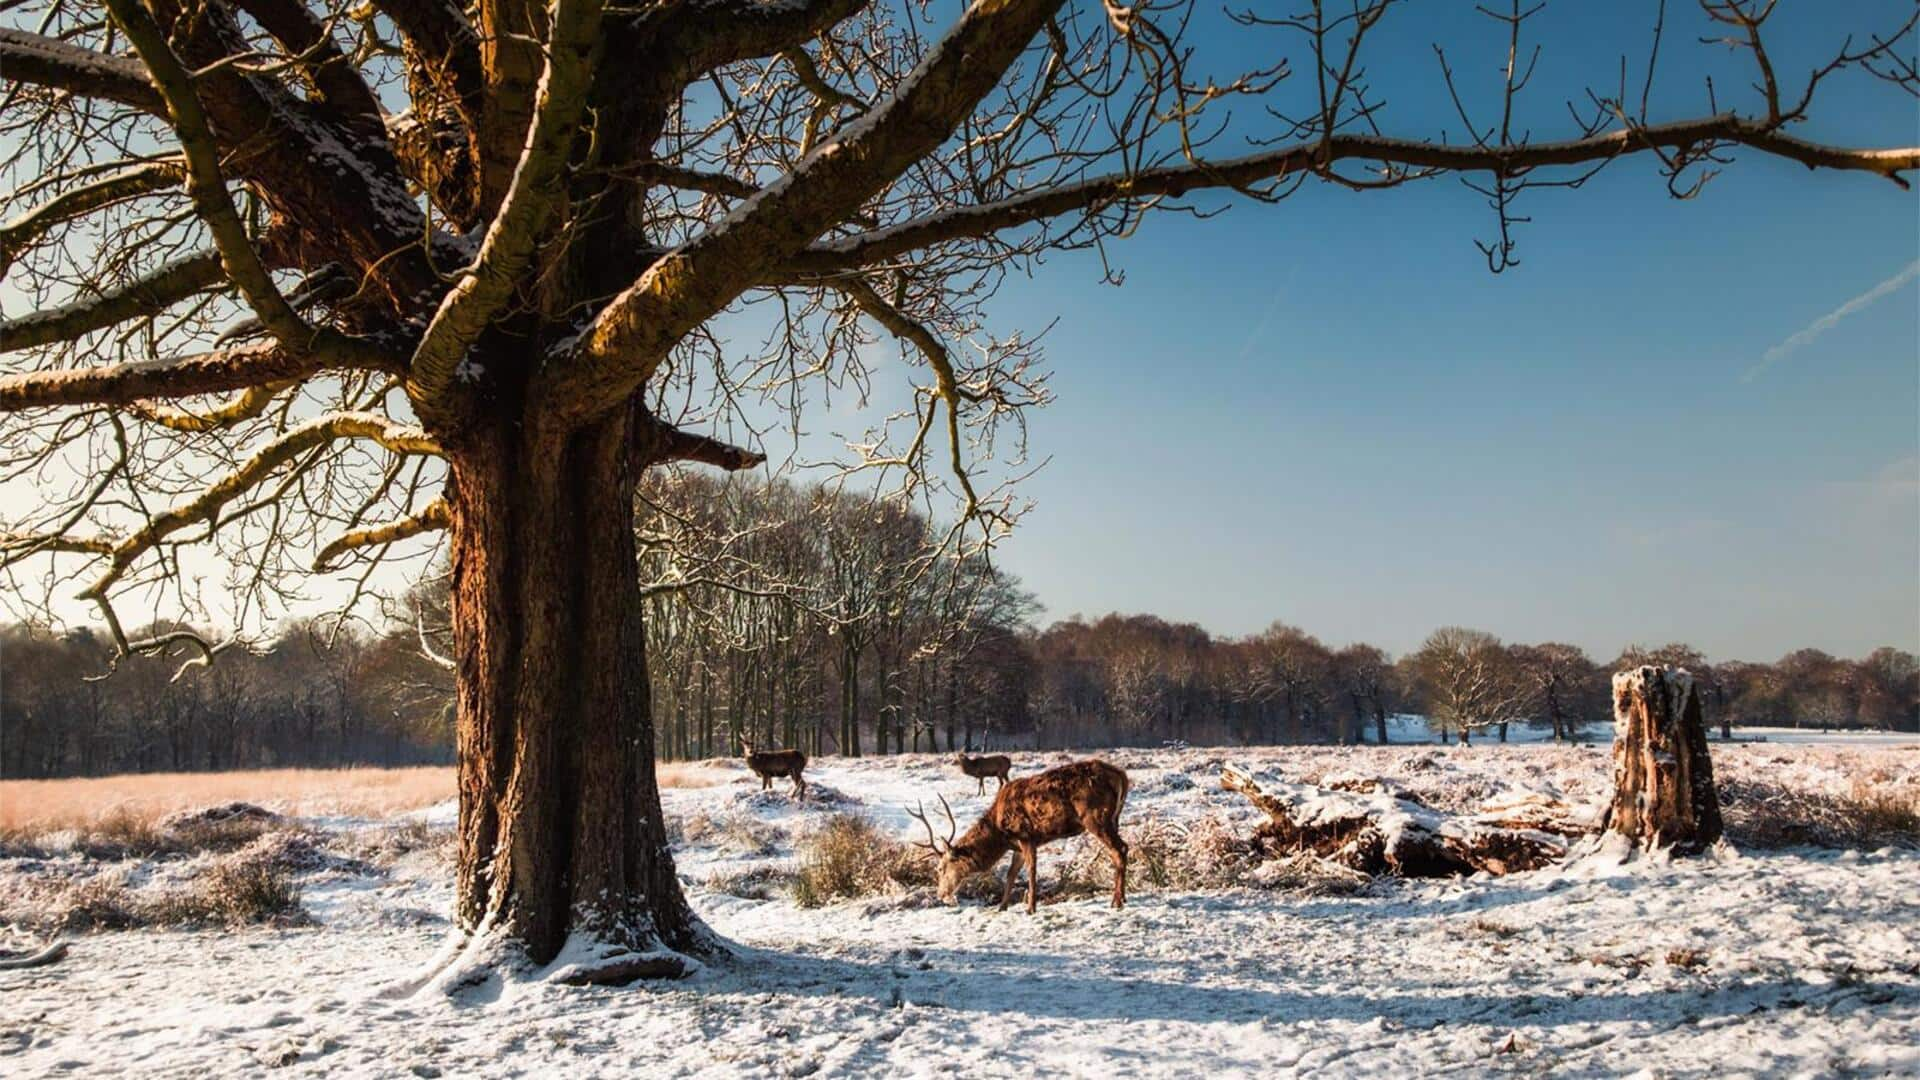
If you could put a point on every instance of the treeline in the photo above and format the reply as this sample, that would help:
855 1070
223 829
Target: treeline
1139 679
313 697
845 624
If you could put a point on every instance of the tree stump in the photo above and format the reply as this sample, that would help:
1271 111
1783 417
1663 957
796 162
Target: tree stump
1663 794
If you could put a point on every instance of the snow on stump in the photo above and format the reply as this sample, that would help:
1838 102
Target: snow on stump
1386 832
1663 794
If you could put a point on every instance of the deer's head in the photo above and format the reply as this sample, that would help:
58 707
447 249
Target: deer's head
955 862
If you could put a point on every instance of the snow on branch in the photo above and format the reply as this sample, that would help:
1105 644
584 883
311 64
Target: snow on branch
210 372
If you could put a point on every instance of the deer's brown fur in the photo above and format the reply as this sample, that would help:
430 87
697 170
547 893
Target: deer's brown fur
767 764
1084 797
994 765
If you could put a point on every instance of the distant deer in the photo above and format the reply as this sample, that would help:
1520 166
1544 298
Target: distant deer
1084 797
994 765
768 764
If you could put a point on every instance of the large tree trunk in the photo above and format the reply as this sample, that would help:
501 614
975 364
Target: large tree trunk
561 835
1663 793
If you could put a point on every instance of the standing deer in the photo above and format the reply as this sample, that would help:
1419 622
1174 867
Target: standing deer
994 765
1084 797
771 763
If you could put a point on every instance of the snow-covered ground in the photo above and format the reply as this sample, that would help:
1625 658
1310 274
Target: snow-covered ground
1745 962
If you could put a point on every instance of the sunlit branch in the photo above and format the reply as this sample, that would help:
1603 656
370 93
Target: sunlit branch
433 517
206 506
44 61
629 338
212 372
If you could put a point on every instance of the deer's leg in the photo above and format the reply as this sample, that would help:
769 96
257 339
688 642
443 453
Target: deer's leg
1109 836
1013 872
799 787
1033 875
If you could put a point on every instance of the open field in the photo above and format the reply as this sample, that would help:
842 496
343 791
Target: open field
45 805
1757 959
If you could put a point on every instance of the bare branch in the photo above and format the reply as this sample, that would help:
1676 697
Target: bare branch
628 339
148 295
44 61
206 506
22 232
434 516
203 373
1177 180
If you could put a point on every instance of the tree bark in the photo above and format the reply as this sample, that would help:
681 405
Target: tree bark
561 833
1662 775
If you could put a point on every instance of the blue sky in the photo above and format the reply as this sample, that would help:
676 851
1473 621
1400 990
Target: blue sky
1328 412
1674 420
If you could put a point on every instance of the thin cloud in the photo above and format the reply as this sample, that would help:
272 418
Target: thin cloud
1831 319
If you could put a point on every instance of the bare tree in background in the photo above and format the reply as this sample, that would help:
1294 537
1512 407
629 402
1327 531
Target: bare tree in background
1470 681
1365 675
1562 680
312 279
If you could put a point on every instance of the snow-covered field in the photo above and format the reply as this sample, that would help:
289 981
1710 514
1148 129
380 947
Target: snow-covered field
1791 962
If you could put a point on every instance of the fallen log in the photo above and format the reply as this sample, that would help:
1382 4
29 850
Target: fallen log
1381 832
42 958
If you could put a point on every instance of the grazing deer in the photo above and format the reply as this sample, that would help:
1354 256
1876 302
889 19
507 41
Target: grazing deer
768 764
1084 797
994 765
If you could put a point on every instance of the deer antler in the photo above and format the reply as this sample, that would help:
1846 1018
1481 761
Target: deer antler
932 843
953 826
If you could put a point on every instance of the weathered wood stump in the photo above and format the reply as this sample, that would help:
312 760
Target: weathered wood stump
1663 794
1379 830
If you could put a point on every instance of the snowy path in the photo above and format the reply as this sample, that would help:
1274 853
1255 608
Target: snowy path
1782 963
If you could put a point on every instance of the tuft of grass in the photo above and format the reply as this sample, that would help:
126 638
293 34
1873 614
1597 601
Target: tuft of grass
238 889
848 857
101 902
735 833
1866 815
756 883
1687 958
245 890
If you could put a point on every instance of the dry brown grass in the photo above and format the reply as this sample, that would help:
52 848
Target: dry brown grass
849 857
692 774
1866 815
239 888
37 806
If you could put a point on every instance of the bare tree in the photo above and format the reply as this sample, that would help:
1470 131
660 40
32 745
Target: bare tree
277 315
1470 681
1562 680
1365 675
